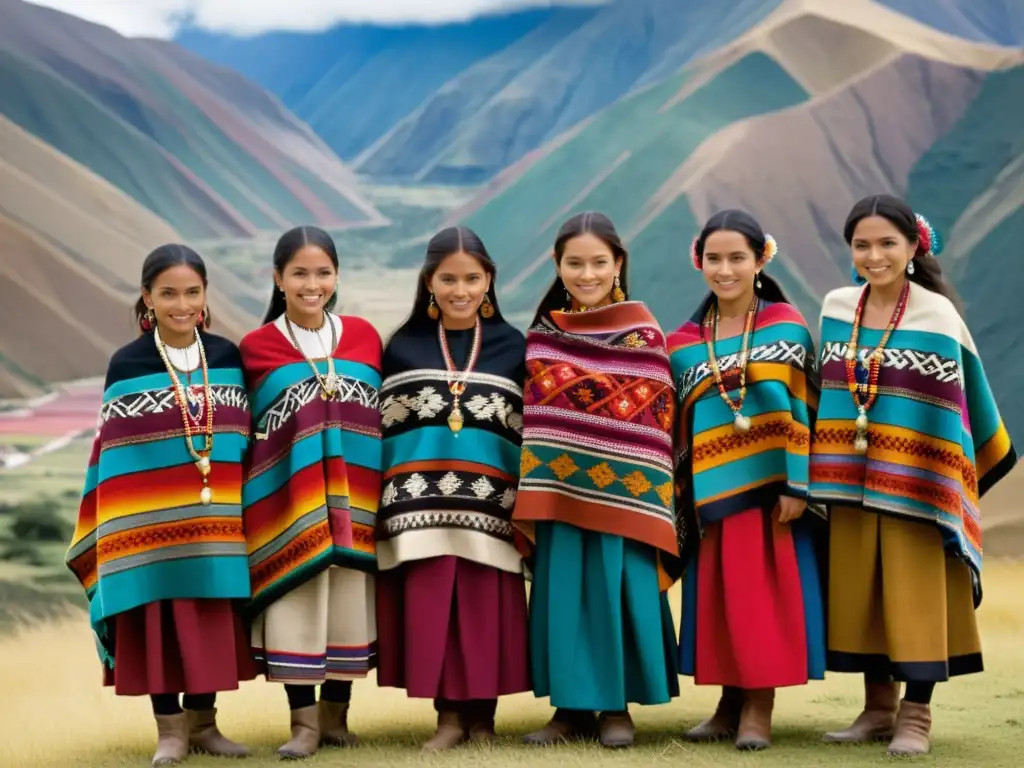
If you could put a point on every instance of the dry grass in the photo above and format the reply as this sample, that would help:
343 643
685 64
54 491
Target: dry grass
56 713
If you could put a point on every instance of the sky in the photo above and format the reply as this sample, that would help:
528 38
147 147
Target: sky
161 18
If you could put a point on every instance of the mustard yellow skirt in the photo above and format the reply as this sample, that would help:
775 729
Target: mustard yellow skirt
898 605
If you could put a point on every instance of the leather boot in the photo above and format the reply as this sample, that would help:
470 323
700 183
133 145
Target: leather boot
566 725
334 725
755 729
913 725
449 733
615 729
876 722
171 739
305 738
725 721
204 735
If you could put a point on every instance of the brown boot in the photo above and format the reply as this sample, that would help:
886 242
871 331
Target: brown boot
171 739
566 725
204 735
615 729
449 733
876 722
913 725
755 729
305 735
725 721
334 725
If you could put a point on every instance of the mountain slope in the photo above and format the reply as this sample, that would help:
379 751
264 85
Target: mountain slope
196 144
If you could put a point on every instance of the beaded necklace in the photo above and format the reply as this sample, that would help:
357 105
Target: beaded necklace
329 383
864 386
201 458
740 423
457 383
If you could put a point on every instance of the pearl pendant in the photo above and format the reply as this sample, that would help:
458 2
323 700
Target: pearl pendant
206 496
860 444
741 423
862 422
204 465
455 421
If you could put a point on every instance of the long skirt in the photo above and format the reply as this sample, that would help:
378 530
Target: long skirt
450 628
898 604
179 646
601 631
324 629
752 605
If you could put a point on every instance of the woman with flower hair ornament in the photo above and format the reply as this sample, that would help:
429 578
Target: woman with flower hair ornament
753 619
908 438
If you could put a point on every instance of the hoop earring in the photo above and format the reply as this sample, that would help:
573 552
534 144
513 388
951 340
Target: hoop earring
433 311
617 294
486 308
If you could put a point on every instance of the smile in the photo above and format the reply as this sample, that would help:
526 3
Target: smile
311 296
877 270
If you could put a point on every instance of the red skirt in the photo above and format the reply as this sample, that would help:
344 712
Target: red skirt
179 646
450 628
750 609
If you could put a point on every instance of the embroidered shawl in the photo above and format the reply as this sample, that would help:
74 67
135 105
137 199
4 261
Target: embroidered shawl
598 411
313 481
720 472
448 494
936 440
142 534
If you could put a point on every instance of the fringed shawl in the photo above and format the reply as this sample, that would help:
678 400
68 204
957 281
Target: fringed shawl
720 472
599 405
936 442
313 482
142 534
447 493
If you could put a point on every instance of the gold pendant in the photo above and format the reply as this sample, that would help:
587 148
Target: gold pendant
206 496
741 423
455 420
204 466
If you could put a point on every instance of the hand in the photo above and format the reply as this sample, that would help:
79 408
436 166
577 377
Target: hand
790 509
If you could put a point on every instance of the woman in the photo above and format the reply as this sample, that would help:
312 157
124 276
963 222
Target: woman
752 610
159 546
312 490
908 438
595 494
451 599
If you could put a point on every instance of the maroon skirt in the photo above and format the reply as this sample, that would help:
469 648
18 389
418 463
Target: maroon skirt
179 646
450 628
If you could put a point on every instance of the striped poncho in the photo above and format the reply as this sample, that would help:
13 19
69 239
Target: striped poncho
313 482
936 442
142 534
599 406
720 472
448 494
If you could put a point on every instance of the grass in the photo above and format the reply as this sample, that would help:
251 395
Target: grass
57 714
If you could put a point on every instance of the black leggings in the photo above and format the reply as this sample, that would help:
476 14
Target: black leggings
334 691
917 692
167 703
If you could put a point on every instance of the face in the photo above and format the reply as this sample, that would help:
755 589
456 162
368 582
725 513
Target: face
880 251
308 281
729 265
177 297
588 270
459 285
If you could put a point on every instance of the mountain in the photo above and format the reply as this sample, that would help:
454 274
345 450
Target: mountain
211 153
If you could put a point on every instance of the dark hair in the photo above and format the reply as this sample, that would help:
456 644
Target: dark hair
927 270
449 241
743 223
158 262
588 223
290 243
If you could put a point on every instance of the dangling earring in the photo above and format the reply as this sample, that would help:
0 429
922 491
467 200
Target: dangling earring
617 294
147 320
486 308
433 311
910 267
202 316
757 282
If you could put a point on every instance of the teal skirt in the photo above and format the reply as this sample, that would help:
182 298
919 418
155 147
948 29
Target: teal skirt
601 632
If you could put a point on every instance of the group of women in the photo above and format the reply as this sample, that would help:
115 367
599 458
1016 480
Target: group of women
314 504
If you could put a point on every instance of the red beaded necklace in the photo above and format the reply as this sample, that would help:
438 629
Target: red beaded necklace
740 422
865 394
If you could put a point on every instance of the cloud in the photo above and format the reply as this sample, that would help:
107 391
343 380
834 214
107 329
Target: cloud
161 18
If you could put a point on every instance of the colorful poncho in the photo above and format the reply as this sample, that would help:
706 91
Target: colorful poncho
313 482
142 534
598 411
448 494
936 440
720 472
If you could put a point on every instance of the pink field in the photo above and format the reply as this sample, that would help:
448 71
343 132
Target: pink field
74 409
